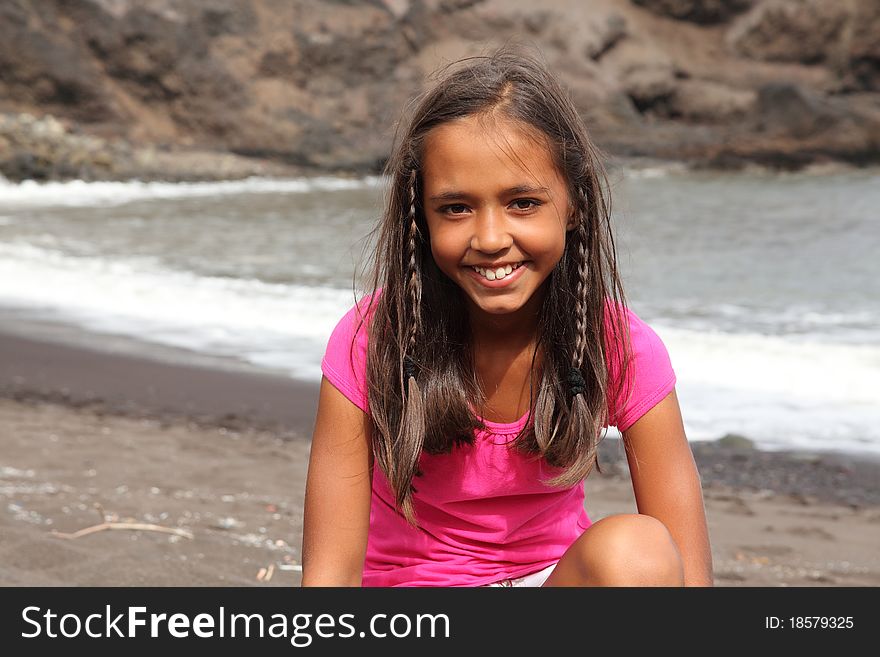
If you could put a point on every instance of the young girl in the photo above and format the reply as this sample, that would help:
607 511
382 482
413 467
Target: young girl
464 398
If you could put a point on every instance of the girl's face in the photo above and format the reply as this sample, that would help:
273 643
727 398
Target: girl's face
494 199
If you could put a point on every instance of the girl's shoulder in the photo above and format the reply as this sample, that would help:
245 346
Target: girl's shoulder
345 359
649 372
619 317
355 322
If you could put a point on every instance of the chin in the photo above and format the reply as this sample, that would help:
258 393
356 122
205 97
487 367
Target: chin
499 309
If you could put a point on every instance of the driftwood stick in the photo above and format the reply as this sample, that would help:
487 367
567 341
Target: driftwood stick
137 526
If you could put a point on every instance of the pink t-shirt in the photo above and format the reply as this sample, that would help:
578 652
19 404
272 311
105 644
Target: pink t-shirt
484 514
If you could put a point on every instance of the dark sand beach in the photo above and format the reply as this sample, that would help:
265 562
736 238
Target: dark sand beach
198 474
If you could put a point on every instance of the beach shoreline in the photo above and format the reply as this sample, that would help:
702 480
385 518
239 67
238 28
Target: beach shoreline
216 460
234 396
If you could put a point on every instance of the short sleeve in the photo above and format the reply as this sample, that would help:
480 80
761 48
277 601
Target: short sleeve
650 378
345 359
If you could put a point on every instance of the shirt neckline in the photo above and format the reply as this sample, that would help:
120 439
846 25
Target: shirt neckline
505 427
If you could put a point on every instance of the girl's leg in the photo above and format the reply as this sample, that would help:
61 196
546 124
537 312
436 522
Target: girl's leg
628 549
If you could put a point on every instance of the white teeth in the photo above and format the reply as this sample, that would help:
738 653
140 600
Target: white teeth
495 274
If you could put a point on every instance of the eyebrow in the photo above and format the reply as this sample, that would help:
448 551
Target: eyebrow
453 195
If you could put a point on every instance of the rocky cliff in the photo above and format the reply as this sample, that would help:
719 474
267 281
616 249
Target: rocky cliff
267 86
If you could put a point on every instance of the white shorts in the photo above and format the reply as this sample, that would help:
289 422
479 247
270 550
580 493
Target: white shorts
532 579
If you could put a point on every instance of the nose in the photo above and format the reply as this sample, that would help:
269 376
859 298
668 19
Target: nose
491 232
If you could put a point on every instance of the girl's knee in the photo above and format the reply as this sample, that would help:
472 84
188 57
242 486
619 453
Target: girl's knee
632 550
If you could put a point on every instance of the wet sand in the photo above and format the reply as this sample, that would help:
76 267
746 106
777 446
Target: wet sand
219 457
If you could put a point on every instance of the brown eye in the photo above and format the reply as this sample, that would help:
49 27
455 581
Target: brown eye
525 204
454 209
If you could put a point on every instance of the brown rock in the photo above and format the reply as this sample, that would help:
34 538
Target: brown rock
793 111
42 68
697 11
862 54
604 36
321 84
651 89
804 31
709 102
841 35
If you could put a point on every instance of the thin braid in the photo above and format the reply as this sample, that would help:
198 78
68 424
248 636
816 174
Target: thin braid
576 383
583 267
414 283
412 425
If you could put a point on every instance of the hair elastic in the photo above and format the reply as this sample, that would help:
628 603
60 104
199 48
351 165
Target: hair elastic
576 383
409 368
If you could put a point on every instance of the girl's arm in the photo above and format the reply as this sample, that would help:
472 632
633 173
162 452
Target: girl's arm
667 485
336 517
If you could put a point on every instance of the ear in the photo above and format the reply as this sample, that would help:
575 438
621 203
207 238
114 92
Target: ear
572 222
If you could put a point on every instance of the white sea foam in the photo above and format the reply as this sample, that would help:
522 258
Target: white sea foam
647 172
780 391
78 193
797 321
273 325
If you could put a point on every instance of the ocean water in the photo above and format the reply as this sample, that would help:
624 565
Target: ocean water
764 287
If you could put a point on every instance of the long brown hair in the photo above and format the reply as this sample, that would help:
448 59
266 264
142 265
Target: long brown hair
420 370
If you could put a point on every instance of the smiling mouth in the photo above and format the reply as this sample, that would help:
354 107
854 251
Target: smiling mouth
498 273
